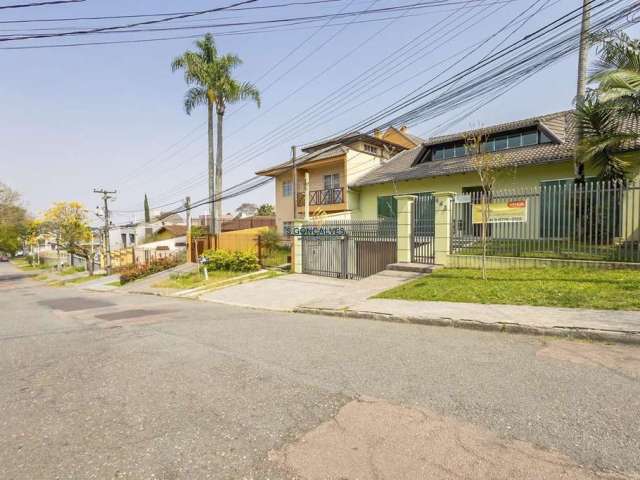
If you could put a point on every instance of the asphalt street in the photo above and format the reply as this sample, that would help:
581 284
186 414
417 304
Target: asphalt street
122 386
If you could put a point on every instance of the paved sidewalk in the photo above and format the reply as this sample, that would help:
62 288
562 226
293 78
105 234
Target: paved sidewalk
622 326
288 292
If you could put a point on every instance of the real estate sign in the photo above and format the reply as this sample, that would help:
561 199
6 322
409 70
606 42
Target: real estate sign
502 212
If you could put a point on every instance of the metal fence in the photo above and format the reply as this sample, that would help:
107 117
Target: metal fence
558 220
349 249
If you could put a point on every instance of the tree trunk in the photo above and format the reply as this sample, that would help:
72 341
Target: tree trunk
212 169
218 204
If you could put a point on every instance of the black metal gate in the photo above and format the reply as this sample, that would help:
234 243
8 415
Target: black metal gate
361 249
423 227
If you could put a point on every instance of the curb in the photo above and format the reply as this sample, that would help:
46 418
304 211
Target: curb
517 328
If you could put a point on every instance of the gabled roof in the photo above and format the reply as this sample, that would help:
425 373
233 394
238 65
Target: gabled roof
408 165
320 154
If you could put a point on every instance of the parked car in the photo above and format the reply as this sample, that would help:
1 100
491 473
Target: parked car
4 258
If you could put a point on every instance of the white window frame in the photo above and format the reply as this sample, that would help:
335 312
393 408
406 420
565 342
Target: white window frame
287 188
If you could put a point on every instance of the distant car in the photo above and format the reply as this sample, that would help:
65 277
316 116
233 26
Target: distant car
4 258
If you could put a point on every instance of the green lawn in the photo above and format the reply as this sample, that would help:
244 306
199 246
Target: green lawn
556 287
195 279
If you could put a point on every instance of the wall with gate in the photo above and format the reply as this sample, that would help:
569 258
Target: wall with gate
596 224
348 249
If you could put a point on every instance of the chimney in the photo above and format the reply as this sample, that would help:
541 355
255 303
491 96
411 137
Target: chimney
403 128
377 133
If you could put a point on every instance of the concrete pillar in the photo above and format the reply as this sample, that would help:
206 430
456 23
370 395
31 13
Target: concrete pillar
405 233
442 240
296 247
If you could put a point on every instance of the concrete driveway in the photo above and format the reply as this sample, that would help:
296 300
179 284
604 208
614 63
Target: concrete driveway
287 292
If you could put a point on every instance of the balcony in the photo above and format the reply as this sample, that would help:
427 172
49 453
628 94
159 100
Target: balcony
329 196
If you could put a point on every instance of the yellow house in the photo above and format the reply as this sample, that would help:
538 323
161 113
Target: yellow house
325 172
539 152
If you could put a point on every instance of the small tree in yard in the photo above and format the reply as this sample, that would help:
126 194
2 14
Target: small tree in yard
489 166
67 221
266 210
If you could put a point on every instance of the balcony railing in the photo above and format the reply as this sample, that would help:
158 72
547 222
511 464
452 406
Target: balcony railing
329 196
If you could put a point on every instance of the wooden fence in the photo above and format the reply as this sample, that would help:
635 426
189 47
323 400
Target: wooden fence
234 241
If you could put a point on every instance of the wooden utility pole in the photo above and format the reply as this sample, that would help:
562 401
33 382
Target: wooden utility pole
294 181
581 91
106 196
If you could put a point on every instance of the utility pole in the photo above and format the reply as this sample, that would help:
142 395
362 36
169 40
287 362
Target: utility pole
106 196
294 182
581 92
187 206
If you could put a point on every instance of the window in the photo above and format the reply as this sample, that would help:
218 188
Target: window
132 238
544 138
387 207
332 181
514 140
529 138
124 239
519 138
287 189
501 143
370 149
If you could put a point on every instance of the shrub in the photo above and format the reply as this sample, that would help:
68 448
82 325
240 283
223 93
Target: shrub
231 261
134 272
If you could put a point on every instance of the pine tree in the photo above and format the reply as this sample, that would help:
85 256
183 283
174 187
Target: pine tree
147 214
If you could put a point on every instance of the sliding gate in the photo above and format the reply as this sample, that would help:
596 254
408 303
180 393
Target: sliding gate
348 249
423 228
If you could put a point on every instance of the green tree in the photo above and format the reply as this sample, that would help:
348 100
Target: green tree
147 214
209 76
13 220
602 118
67 222
266 210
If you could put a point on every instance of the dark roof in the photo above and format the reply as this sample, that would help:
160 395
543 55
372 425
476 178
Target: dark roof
326 152
405 165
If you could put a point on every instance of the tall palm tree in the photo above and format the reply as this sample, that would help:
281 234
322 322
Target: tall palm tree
211 84
617 73
602 117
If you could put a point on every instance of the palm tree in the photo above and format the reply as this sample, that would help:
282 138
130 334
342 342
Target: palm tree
211 83
617 73
601 117
602 138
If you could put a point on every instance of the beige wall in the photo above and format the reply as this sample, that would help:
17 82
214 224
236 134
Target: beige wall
284 205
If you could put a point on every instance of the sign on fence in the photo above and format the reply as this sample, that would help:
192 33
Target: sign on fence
502 212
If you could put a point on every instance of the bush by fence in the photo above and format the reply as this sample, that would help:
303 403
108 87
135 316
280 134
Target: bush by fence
231 261
133 272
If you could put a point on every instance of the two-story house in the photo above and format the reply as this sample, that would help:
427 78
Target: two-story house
318 181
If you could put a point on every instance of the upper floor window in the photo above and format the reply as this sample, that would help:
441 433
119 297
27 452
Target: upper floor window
495 143
332 181
287 189
370 149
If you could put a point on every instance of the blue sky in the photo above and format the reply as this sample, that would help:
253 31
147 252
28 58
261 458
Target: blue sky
109 116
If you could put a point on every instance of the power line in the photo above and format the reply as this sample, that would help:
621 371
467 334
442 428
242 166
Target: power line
130 25
39 4
129 28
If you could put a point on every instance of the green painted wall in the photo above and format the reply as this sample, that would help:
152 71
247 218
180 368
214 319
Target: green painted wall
513 178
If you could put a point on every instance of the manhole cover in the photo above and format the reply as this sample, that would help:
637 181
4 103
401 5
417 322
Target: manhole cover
75 303
127 314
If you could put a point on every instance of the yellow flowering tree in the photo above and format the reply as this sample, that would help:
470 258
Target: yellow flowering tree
67 222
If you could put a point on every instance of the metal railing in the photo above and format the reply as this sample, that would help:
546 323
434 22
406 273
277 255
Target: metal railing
597 221
358 249
329 196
